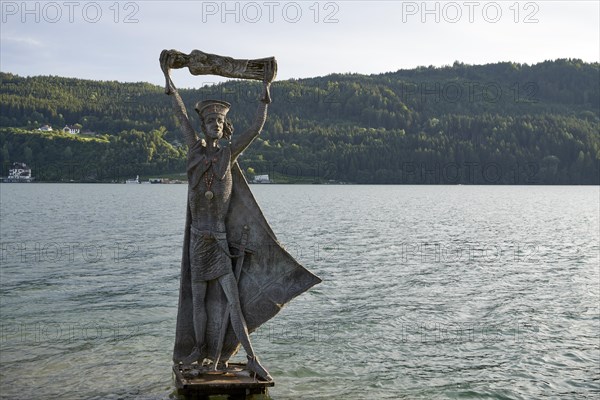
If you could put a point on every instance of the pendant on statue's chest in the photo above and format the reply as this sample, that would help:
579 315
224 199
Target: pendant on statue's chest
209 195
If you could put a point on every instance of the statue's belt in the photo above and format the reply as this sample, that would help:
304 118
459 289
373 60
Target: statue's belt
221 238
209 234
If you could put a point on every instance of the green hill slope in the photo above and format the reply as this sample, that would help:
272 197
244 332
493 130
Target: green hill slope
498 123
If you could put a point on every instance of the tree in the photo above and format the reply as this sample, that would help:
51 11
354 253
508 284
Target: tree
4 155
68 153
28 154
250 173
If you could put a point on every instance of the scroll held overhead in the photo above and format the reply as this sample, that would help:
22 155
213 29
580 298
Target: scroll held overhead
200 63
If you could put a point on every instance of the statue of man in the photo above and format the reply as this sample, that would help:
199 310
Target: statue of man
209 169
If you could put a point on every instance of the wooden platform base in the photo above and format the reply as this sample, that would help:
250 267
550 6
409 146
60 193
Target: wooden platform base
200 381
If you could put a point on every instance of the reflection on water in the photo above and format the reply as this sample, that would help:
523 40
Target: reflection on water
428 291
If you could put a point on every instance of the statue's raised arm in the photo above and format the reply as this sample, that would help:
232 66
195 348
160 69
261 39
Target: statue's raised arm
243 141
200 63
189 134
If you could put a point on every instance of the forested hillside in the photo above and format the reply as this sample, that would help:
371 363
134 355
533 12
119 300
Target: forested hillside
497 123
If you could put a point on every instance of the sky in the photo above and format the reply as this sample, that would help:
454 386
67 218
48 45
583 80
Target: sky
122 40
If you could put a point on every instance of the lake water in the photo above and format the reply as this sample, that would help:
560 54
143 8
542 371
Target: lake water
428 291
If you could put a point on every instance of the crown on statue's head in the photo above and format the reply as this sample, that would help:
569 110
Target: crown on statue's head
207 107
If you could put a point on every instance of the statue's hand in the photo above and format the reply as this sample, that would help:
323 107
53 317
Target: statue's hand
266 97
164 60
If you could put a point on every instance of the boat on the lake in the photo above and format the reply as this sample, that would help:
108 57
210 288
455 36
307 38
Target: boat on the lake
136 180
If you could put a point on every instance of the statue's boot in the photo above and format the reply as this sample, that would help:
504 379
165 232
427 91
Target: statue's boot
196 355
255 366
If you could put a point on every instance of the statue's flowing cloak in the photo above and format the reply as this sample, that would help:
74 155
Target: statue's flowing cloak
270 277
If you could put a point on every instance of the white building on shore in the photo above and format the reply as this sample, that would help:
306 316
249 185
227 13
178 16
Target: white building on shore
19 173
261 179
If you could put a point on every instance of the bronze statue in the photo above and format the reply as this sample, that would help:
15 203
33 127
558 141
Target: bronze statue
234 273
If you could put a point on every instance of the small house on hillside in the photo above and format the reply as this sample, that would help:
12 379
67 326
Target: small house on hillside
71 129
45 128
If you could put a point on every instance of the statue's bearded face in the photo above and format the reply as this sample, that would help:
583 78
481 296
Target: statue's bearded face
213 126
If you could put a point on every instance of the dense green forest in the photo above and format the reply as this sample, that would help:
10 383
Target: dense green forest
503 123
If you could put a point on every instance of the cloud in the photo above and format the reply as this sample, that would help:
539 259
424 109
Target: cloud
28 41
122 40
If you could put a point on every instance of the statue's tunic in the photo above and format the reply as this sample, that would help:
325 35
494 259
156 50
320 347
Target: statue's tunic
209 251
